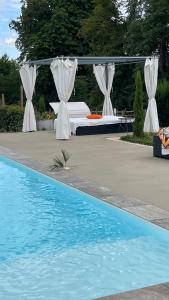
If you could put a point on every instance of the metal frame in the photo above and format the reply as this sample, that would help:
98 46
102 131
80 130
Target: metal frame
91 60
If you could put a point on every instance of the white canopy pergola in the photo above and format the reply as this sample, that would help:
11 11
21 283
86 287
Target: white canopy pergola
64 71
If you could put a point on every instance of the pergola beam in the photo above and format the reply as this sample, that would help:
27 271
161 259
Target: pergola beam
91 60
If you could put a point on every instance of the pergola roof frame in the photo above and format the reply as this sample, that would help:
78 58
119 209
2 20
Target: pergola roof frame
91 60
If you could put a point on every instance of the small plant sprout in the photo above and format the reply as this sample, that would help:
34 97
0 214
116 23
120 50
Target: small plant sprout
60 162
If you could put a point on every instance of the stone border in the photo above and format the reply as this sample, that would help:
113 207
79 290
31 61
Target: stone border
150 213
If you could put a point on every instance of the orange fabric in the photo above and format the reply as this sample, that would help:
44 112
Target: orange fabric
94 116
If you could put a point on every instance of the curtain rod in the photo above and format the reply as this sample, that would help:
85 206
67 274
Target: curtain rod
93 60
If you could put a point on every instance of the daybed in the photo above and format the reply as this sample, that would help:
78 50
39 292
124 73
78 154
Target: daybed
81 125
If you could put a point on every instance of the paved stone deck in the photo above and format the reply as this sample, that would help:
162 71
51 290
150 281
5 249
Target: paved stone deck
150 213
158 292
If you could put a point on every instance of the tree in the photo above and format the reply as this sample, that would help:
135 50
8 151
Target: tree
105 31
104 28
138 106
41 104
9 80
148 30
49 28
156 30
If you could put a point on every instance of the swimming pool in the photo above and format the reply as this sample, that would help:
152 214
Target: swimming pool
57 243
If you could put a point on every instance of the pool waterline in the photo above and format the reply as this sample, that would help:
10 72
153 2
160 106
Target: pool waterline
95 247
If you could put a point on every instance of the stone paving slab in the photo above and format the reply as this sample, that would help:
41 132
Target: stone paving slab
158 292
166 284
163 223
148 212
122 201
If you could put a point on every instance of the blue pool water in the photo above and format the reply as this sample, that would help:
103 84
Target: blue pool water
57 243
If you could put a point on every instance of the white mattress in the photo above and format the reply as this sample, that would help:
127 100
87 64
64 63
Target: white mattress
82 122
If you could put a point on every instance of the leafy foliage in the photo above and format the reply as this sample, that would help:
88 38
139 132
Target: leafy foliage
123 87
47 116
83 27
41 104
60 162
148 30
50 28
146 139
138 106
104 29
9 80
11 118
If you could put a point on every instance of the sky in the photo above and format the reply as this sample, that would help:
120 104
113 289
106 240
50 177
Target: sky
9 9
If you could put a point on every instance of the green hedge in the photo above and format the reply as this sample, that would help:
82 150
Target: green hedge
146 139
11 118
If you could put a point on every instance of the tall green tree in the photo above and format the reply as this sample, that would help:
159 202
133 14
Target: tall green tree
138 106
41 104
104 28
156 30
105 31
49 28
9 80
148 29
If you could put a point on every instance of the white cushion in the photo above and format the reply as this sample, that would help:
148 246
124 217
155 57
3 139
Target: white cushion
75 109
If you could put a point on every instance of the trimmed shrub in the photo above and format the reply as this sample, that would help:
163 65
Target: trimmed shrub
11 118
138 106
147 139
41 104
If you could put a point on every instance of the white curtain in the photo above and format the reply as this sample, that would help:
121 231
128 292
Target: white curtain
102 78
151 123
64 72
28 76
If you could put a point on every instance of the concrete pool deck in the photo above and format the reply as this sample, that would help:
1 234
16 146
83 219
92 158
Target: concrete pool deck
96 153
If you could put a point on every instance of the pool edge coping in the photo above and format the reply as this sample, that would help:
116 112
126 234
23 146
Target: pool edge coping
134 206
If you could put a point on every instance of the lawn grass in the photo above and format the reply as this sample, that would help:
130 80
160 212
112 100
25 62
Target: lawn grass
147 139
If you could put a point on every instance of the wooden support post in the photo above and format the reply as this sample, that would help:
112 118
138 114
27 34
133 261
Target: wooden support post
3 100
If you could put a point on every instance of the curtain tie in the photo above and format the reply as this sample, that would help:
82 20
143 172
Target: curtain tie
107 94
